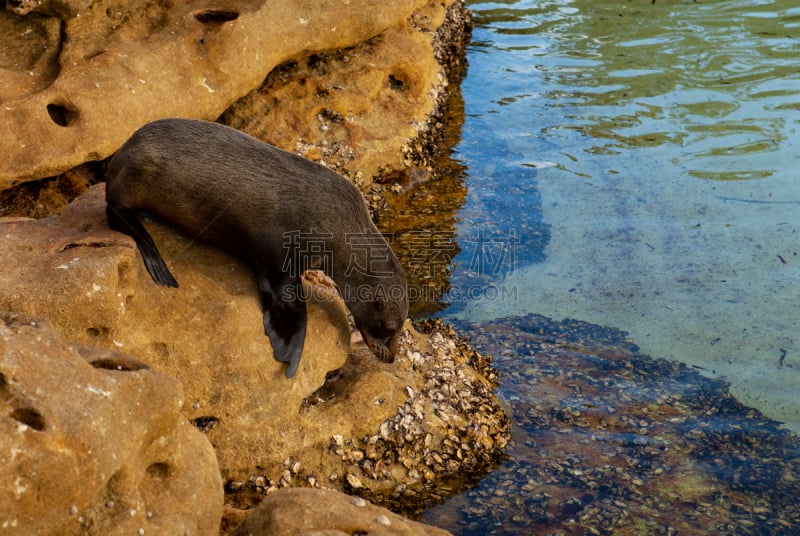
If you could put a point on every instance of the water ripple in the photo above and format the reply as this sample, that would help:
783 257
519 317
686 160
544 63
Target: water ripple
707 61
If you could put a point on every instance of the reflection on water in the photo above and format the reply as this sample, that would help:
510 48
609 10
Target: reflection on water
641 160
422 222
714 79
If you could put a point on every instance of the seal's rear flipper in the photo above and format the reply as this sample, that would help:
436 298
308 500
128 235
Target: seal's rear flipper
284 324
125 221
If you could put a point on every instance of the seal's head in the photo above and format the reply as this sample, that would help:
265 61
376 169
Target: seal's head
380 322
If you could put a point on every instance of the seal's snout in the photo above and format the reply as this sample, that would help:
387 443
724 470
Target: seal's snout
386 355
384 351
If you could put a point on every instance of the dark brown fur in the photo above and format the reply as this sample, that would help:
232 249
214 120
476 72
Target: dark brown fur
268 207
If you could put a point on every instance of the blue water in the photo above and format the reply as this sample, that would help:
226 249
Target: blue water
635 165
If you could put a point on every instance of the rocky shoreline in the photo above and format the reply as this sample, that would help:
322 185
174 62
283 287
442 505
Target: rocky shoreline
365 98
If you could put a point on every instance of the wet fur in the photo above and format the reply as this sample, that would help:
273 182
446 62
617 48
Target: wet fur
235 192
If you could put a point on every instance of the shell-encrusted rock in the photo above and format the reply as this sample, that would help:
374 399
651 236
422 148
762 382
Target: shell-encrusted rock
451 424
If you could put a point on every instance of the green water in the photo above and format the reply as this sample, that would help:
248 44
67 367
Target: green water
636 164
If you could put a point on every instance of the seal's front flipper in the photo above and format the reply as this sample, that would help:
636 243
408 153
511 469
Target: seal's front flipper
125 221
284 324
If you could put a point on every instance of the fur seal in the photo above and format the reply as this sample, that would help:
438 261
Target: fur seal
278 211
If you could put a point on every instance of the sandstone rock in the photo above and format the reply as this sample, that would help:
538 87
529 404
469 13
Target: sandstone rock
297 511
91 283
94 442
362 110
79 77
444 421
384 430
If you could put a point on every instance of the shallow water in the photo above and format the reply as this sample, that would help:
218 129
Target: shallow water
630 164
635 165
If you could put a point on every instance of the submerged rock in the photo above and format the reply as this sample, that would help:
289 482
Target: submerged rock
608 440
94 442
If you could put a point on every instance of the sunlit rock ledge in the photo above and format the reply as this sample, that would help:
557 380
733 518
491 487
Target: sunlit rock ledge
87 74
359 83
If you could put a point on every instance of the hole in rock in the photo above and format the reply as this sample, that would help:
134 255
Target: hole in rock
30 417
216 16
159 470
206 423
161 349
119 364
87 244
115 487
61 114
395 83
17 6
97 332
94 54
